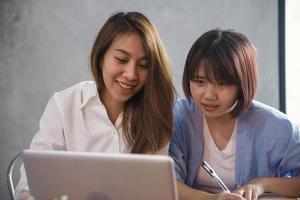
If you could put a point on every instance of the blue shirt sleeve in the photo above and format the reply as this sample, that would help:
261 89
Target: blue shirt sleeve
290 163
177 148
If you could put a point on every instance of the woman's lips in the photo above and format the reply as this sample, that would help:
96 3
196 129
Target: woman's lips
209 107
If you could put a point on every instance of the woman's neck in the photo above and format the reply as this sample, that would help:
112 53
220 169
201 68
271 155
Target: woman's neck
221 129
113 108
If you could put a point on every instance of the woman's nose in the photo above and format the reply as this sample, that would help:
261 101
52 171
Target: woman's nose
130 71
210 92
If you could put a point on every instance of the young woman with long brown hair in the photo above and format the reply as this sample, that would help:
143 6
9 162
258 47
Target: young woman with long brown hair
128 106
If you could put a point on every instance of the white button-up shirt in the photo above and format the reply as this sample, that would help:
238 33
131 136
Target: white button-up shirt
76 120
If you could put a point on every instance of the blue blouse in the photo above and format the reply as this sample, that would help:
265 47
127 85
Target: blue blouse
267 143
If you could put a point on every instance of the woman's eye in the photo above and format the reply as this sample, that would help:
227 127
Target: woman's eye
199 81
143 65
121 60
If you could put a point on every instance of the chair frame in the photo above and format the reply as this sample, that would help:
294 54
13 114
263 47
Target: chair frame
10 169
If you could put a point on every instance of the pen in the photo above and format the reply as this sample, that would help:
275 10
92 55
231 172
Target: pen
213 174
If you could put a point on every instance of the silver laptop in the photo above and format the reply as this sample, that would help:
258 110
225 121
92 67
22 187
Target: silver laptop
73 175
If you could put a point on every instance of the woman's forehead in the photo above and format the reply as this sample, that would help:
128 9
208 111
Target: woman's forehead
211 73
129 43
202 70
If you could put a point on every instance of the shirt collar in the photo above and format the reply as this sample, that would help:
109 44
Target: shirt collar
89 93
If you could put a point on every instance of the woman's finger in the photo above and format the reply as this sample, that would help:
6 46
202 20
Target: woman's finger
248 193
239 191
254 195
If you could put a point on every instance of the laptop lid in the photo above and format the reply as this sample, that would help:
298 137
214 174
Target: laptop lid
91 176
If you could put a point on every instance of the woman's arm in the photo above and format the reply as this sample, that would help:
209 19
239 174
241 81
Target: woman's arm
49 137
289 187
187 193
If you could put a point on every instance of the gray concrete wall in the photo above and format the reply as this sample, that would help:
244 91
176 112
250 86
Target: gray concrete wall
45 45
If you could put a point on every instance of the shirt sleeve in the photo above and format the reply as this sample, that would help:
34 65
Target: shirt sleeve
290 163
51 134
49 137
176 149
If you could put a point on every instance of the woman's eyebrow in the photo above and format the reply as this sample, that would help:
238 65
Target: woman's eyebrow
128 54
122 51
196 76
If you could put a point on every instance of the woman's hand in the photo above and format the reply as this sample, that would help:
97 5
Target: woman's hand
228 196
187 193
251 190
284 186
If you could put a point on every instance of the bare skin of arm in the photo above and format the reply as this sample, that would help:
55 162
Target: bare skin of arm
188 193
289 187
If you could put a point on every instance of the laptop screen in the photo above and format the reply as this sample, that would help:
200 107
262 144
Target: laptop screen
81 175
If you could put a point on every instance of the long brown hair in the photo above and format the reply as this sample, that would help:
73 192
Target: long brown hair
147 120
228 57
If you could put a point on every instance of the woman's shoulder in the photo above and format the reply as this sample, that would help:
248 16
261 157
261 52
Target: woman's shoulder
186 112
184 106
267 116
76 94
79 88
261 110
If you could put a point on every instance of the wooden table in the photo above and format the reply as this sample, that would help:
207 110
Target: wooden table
274 197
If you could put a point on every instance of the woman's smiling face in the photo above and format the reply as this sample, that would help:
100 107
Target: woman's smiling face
124 68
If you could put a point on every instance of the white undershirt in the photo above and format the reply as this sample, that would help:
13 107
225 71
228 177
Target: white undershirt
223 162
